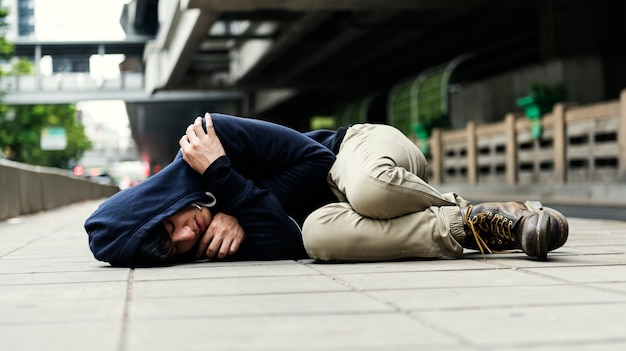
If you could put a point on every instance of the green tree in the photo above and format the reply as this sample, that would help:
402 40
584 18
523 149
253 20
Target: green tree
22 67
21 126
6 48
20 134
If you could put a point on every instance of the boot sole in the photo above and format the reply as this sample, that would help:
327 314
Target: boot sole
541 230
563 227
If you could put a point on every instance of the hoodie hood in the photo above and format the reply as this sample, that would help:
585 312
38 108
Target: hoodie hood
123 221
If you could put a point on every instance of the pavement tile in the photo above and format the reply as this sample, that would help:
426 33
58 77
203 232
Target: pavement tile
399 266
615 287
493 297
229 286
48 265
102 275
596 345
77 336
311 332
256 305
116 290
592 248
562 260
585 274
61 311
55 296
532 327
442 279
223 270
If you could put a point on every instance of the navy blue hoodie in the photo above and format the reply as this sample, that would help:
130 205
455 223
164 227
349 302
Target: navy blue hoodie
271 178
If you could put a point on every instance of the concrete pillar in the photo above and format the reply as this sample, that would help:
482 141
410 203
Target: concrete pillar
559 144
621 138
471 153
511 149
436 152
37 66
572 28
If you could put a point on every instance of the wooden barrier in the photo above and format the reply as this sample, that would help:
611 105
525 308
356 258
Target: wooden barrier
577 144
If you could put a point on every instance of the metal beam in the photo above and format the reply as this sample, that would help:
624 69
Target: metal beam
324 5
307 24
331 48
135 96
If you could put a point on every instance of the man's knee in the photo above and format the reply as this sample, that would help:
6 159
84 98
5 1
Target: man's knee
323 226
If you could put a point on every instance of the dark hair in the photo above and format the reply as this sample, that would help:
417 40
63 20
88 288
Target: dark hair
155 249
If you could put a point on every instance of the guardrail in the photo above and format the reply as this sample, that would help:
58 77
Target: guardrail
27 189
71 82
578 144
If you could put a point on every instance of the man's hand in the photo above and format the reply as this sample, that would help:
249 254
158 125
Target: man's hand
222 238
201 149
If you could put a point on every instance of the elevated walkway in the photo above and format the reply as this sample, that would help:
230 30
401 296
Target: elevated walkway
71 88
55 296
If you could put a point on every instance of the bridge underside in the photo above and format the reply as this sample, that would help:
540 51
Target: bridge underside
324 55
158 125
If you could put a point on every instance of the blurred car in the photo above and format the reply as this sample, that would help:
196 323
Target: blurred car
103 178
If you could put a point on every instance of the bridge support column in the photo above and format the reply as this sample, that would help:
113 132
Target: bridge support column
511 149
559 144
621 138
472 169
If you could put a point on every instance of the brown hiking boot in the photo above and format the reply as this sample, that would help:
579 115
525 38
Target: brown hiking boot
497 226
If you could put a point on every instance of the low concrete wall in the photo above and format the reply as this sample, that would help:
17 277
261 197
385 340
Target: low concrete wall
582 194
27 189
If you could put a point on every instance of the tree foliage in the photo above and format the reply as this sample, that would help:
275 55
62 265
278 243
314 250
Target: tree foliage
6 48
20 134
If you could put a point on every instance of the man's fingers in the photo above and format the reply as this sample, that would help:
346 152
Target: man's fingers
203 246
224 248
208 121
234 246
194 131
214 247
191 133
210 130
183 142
197 127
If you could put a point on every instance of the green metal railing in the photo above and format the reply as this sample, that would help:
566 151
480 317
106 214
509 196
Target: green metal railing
354 113
417 105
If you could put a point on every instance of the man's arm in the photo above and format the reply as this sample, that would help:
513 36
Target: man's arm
289 164
270 232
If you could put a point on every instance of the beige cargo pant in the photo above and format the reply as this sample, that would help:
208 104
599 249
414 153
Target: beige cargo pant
386 209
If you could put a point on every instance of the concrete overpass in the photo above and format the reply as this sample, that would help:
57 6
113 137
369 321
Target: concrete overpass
295 59
289 60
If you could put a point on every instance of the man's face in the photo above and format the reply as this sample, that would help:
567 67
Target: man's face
186 227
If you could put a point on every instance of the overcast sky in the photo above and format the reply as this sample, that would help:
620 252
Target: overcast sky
78 19
85 20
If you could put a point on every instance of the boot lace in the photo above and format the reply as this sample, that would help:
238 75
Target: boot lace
491 223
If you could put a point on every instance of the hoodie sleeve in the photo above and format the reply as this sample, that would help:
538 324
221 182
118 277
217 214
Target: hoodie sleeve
271 178
270 232
288 164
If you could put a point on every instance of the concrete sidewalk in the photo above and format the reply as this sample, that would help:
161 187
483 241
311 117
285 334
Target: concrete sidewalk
55 296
